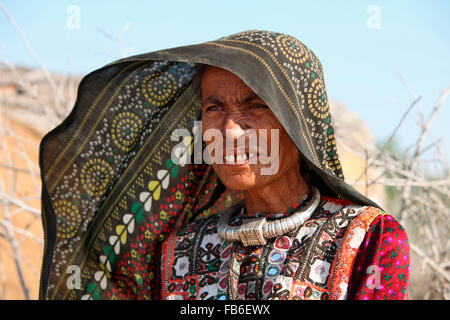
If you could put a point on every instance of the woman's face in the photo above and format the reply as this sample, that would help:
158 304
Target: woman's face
230 107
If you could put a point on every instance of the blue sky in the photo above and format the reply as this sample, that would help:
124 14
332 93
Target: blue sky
362 65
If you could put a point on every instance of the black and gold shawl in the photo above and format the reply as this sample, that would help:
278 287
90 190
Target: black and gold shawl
111 192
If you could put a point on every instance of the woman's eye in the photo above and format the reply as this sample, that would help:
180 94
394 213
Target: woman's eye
259 106
213 108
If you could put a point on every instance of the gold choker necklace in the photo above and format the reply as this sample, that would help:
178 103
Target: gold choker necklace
257 231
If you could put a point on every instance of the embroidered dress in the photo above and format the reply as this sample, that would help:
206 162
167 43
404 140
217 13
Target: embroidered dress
113 192
312 262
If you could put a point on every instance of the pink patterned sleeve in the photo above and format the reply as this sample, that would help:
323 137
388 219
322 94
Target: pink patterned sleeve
381 268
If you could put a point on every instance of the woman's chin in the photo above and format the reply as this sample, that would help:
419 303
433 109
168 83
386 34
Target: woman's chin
238 182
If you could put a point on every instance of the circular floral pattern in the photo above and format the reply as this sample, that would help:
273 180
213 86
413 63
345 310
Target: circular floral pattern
292 49
125 129
317 99
68 218
95 176
159 88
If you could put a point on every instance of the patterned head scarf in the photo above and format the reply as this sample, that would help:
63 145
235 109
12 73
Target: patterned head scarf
111 191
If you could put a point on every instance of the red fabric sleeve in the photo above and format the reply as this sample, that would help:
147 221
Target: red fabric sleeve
381 268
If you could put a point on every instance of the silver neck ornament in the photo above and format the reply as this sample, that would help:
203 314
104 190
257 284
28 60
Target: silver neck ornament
257 231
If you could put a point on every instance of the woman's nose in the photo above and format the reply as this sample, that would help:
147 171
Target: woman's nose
233 128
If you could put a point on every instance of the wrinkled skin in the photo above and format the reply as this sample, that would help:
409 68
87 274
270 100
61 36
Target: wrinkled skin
229 104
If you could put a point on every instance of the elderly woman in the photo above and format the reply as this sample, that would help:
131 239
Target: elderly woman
124 217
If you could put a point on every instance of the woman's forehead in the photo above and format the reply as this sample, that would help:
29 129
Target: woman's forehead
220 82
217 76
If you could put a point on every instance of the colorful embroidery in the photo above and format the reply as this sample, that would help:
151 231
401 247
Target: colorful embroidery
313 262
346 254
382 267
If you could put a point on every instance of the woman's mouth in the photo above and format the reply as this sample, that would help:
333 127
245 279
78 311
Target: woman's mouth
240 159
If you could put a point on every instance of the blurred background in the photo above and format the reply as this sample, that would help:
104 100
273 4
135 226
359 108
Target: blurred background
387 73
